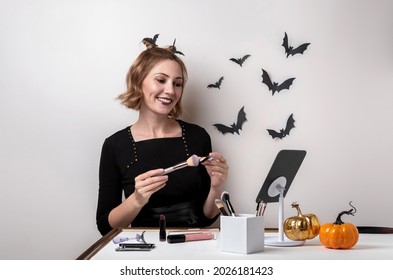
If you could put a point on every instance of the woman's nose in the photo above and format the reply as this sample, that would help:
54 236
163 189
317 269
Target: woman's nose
169 88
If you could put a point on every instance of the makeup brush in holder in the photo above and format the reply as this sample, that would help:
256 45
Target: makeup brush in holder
221 207
226 199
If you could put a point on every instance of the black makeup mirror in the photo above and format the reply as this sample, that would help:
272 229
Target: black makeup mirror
286 165
275 187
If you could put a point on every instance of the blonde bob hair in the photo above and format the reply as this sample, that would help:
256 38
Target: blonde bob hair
132 97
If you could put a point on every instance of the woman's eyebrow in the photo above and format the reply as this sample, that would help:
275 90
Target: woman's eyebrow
166 75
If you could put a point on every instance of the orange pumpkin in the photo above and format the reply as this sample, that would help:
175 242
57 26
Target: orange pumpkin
339 235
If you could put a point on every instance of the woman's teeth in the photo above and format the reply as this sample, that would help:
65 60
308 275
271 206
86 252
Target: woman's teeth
164 100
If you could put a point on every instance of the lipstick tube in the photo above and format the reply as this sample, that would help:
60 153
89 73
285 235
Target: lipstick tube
162 228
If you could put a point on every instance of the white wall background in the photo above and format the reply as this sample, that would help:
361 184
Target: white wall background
62 63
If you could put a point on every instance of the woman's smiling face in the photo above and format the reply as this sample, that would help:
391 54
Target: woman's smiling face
162 88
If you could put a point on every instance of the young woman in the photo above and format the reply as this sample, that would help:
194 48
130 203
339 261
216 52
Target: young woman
134 158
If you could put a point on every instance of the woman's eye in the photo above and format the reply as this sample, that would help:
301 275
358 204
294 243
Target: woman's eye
161 81
177 84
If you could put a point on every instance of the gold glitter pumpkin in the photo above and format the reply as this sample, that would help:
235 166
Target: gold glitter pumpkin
301 227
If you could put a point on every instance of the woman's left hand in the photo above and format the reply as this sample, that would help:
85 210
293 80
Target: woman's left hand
217 168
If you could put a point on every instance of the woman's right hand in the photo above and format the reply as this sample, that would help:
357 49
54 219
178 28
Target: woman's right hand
145 185
148 183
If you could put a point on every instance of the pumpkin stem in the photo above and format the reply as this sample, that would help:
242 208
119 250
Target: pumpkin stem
296 205
353 208
349 212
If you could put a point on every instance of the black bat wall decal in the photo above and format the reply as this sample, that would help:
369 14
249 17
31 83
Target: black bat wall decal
283 132
289 50
216 84
150 42
240 61
235 127
273 86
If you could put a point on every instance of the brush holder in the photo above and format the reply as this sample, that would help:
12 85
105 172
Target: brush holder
243 234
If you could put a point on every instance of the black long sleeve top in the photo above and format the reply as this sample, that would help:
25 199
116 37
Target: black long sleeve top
182 198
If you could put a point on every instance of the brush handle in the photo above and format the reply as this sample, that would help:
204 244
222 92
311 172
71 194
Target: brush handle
223 211
175 167
230 208
205 159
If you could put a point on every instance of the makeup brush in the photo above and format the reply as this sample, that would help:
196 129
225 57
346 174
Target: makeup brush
225 199
191 161
221 207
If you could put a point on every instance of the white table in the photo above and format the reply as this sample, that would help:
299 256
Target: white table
369 246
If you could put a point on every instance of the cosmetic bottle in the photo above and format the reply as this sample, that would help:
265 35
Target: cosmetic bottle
162 228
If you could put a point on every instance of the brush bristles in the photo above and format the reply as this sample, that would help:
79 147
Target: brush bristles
221 207
219 203
193 160
224 196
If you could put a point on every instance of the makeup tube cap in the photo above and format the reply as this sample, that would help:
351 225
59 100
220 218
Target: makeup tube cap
176 238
